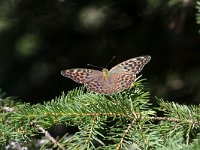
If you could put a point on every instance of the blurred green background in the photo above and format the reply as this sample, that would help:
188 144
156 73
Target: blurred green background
38 39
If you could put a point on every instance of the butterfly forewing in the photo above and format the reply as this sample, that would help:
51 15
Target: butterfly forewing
133 65
81 75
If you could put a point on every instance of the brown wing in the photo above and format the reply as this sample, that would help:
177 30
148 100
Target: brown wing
98 85
124 74
122 81
133 65
114 84
81 75
92 79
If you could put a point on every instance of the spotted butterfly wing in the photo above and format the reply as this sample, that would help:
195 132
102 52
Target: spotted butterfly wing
81 75
124 74
91 78
133 65
99 85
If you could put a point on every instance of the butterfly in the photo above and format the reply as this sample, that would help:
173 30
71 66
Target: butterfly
111 81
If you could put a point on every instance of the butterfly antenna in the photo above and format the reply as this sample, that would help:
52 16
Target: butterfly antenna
95 66
110 61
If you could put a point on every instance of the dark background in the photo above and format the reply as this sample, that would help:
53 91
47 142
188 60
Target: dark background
39 38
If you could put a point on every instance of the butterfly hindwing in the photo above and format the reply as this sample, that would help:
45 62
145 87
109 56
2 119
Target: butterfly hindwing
122 81
116 83
97 85
125 81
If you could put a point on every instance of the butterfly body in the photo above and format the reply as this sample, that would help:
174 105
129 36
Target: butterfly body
107 81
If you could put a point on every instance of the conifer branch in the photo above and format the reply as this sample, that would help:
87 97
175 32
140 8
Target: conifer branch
91 131
47 134
101 119
124 134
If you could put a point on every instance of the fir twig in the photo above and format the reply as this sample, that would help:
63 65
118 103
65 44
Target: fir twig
124 134
47 134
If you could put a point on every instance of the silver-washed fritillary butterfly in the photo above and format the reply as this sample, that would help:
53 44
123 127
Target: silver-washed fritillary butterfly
111 81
